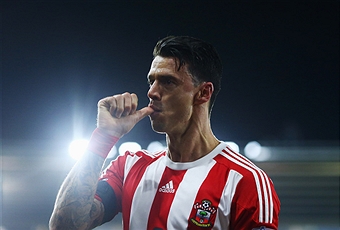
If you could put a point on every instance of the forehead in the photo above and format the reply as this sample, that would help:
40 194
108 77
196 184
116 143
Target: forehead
166 66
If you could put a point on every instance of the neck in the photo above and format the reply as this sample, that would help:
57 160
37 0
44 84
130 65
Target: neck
197 141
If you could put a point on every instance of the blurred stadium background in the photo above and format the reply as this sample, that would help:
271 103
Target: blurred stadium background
306 176
281 60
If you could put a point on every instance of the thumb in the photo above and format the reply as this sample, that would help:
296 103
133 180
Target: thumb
140 114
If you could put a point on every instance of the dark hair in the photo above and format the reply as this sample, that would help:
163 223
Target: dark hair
200 57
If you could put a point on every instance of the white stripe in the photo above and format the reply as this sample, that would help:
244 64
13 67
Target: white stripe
129 162
270 201
224 207
132 158
145 194
265 183
257 182
186 194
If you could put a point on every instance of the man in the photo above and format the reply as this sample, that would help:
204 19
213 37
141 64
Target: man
198 182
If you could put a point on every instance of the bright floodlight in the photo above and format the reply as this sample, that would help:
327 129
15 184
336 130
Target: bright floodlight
129 146
255 151
77 148
155 146
265 154
233 146
252 150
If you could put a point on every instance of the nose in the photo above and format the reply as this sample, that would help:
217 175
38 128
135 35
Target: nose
153 92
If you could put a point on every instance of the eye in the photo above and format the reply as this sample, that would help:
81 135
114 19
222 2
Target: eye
168 82
150 82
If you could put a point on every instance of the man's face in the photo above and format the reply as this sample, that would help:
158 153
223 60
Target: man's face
171 95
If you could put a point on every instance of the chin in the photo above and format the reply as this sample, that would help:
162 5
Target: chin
158 128
159 132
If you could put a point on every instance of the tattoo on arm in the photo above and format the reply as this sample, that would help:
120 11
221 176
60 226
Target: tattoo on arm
75 207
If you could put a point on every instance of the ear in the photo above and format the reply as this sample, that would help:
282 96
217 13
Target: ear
204 93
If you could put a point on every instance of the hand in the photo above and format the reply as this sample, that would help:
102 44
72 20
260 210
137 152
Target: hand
118 114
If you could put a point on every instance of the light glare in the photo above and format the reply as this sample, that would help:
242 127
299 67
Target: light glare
252 150
77 148
155 146
129 146
255 151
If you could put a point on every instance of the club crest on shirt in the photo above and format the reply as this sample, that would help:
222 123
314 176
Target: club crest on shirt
204 214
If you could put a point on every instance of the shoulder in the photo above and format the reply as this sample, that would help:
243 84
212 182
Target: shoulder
254 190
142 157
237 162
141 154
251 181
123 163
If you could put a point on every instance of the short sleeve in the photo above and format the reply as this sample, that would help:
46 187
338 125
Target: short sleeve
255 204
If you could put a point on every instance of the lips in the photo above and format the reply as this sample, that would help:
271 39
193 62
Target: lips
155 108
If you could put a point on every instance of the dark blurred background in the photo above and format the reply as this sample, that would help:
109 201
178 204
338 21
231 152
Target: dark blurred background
280 89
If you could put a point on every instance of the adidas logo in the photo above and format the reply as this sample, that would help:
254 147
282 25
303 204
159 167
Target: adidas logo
168 188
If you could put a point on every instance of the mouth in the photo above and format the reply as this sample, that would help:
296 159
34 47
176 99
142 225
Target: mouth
155 108
156 111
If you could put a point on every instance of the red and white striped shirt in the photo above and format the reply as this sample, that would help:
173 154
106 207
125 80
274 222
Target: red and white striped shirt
222 190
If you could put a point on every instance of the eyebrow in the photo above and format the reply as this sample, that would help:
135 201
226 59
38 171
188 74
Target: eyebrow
162 76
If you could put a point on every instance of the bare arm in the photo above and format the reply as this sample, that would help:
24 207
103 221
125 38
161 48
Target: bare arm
75 207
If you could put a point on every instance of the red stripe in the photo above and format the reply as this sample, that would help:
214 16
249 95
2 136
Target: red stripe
211 191
161 204
132 180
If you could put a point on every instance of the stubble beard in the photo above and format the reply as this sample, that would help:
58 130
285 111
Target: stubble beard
157 126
